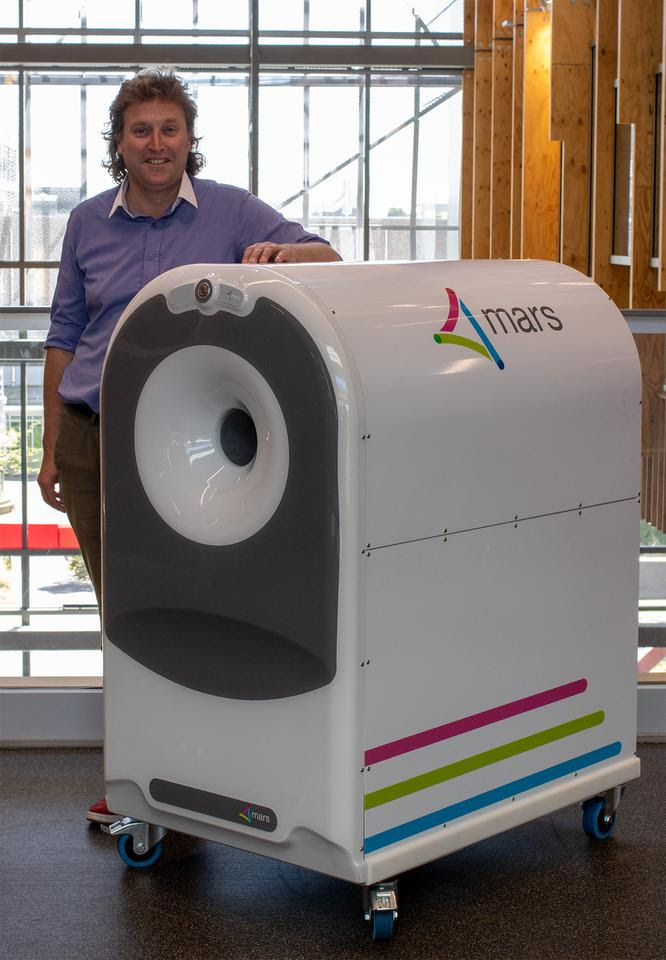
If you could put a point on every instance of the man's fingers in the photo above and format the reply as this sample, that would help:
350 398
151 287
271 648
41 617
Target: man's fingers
49 487
261 252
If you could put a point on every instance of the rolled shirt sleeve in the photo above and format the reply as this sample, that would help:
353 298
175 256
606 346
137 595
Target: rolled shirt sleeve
69 315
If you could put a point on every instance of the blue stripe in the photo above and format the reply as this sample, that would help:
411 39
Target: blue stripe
491 350
446 814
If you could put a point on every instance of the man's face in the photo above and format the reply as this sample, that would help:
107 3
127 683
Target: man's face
154 144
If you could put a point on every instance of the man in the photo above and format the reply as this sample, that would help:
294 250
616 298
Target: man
115 243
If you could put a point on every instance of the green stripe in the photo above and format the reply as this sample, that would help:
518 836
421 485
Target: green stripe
462 342
479 760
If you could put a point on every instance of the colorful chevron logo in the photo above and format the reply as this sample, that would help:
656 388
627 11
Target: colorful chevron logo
246 814
446 334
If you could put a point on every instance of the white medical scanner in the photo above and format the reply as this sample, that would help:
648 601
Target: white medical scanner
370 560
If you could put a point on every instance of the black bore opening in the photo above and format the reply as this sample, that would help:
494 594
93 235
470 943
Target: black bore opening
239 437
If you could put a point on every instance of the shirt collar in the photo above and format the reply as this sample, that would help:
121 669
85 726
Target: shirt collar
186 192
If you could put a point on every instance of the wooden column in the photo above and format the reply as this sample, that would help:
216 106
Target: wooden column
467 160
502 121
517 132
571 104
540 213
483 77
613 278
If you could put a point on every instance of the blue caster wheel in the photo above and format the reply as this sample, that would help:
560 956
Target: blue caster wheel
381 924
596 823
138 861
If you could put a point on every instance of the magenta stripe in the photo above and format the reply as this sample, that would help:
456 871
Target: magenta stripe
456 727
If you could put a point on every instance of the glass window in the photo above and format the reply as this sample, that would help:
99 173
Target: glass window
95 100
45 13
235 16
9 13
66 663
74 15
222 123
40 285
341 15
9 167
280 136
286 15
10 576
53 164
10 290
59 582
434 15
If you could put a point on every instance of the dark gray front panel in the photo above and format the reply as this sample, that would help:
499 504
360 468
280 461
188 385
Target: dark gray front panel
239 812
252 620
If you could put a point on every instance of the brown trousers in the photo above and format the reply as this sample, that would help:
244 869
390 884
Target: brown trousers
77 460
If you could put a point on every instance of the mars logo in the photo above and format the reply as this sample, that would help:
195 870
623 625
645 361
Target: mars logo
253 816
446 335
500 320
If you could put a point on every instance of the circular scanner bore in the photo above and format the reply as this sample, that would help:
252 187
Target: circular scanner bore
238 436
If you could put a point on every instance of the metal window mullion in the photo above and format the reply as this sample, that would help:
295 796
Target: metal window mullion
21 181
306 129
137 21
25 561
253 99
415 165
366 138
83 100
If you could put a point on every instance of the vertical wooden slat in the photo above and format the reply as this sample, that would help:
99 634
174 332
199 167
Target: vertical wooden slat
502 122
571 98
517 133
612 277
639 53
661 167
467 160
540 213
483 82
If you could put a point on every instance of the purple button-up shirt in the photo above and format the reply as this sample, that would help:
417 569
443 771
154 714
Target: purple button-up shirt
106 260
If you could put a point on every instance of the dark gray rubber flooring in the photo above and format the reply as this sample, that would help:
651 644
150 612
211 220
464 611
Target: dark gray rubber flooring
540 892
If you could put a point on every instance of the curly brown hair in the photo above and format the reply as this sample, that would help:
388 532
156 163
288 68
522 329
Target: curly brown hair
156 83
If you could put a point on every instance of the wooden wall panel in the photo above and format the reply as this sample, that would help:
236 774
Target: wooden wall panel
540 213
560 107
639 53
483 108
571 104
517 132
613 278
502 123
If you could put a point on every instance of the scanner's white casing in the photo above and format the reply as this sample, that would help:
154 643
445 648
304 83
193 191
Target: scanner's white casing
488 548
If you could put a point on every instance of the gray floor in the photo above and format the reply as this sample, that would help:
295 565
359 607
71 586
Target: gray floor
540 892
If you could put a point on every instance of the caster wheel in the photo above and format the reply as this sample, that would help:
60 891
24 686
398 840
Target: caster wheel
595 823
381 924
138 861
